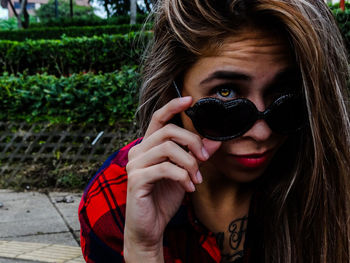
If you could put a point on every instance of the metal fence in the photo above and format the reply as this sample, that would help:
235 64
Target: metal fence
22 143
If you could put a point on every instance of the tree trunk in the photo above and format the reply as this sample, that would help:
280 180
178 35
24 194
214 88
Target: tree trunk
133 12
148 7
24 13
342 4
106 8
71 8
56 9
19 21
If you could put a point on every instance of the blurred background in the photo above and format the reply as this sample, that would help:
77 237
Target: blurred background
69 78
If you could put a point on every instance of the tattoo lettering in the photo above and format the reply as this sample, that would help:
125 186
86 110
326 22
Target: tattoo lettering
230 251
237 229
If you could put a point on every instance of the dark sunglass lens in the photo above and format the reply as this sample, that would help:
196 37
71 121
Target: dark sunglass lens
288 116
208 118
242 116
223 120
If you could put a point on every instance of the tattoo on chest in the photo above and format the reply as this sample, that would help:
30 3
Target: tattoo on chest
230 241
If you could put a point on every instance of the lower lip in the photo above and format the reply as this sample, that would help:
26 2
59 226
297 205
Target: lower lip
252 162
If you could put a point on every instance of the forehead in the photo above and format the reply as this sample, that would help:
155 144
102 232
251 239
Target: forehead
252 43
256 53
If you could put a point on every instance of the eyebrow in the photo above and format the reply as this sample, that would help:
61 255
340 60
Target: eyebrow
288 73
228 75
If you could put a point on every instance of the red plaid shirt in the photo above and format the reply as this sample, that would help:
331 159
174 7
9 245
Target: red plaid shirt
102 220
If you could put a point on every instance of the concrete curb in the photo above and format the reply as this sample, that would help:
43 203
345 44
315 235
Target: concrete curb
40 252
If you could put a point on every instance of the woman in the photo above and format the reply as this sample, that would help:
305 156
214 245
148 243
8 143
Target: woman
245 150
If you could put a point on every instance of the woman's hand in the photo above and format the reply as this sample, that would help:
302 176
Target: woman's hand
160 170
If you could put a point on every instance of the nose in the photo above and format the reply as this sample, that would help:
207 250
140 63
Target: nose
260 131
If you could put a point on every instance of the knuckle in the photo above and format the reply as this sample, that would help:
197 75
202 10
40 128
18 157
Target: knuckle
167 146
183 175
129 168
132 177
132 152
196 139
157 115
171 126
192 163
168 129
163 167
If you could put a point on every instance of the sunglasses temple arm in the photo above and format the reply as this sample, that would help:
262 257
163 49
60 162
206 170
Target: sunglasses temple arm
177 90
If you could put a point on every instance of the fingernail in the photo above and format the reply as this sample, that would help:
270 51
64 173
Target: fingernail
185 99
199 177
192 187
205 153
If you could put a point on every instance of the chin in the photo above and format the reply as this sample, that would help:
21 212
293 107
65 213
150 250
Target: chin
244 176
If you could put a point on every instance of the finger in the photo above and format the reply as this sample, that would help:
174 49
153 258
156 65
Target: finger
183 137
144 178
162 116
211 146
168 150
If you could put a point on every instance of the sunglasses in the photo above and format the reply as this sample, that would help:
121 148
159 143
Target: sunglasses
220 120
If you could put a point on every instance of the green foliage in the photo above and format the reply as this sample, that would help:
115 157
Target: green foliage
336 6
58 32
47 11
11 23
343 20
8 24
87 21
122 7
71 180
81 98
71 55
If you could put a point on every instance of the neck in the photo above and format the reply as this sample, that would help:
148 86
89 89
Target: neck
222 205
219 200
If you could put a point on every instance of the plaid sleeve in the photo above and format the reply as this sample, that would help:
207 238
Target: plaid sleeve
102 211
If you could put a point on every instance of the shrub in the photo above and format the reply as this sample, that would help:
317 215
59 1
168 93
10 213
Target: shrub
46 11
71 55
80 98
343 20
6 24
58 32
11 23
336 6
87 21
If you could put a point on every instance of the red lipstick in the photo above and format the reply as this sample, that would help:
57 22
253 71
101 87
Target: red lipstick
253 160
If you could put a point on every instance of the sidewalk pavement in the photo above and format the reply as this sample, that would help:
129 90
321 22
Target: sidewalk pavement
39 227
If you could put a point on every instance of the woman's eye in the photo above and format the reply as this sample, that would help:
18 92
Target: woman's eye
225 92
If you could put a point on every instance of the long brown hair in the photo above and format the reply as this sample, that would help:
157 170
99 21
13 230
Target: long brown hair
307 206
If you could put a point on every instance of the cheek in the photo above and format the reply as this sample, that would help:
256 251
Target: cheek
279 140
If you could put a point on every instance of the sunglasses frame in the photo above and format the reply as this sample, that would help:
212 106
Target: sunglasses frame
258 115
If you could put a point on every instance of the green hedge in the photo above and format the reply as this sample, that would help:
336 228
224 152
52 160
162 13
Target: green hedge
71 55
80 98
87 21
343 20
58 32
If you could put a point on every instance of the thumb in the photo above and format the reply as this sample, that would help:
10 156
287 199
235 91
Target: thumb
211 146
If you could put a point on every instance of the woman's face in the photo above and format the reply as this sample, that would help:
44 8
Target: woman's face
252 65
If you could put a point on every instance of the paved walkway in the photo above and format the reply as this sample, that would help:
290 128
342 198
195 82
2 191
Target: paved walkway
39 227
